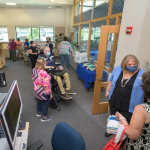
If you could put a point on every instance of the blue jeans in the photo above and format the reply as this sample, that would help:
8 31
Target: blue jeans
66 59
43 105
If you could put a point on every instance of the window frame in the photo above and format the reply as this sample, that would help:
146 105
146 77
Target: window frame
7 34
39 27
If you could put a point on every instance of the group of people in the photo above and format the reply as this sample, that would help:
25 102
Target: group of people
41 80
16 49
128 92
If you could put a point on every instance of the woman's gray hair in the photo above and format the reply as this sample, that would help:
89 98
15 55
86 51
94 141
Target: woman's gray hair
127 58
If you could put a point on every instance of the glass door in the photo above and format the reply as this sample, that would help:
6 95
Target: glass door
105 64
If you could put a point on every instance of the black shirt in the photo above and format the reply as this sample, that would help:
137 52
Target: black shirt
121 96
34 49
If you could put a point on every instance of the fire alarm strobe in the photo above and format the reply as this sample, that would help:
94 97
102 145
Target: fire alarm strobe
129 30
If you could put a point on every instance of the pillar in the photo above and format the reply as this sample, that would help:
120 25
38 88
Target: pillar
135 14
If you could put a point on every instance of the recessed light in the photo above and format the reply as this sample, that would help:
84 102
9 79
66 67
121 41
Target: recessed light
49 7
52 0
10 3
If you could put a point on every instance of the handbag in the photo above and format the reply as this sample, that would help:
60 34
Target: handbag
111 144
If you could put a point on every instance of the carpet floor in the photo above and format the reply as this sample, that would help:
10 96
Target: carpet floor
76 113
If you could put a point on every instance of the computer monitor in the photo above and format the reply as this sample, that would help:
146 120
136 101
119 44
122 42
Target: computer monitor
11 114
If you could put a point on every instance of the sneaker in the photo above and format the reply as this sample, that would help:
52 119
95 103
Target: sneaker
48 118
39 114
66 97
70 92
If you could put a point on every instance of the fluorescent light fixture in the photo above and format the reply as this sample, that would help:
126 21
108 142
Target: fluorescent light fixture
10 3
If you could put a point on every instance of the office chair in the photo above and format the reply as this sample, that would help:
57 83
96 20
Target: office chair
66 138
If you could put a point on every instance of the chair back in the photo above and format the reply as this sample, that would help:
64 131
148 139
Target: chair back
66 138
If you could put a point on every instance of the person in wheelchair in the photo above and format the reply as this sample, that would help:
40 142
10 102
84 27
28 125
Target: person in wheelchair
50 63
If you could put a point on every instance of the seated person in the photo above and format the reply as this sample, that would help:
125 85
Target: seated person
50 63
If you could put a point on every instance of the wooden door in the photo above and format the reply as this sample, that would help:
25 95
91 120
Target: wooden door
107 45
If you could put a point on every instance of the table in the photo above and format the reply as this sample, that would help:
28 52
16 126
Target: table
89 76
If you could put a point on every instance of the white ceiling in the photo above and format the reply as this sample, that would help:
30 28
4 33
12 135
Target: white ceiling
37 4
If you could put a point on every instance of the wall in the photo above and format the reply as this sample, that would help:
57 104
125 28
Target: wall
138 43
33 17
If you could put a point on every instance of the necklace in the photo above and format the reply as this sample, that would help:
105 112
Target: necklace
125 82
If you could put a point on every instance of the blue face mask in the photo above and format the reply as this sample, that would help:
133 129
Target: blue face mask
132 69
48 53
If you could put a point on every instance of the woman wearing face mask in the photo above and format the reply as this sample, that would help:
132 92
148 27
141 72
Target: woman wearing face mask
33 53
124 90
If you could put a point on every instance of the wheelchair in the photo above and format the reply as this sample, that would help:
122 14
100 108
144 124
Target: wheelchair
55 87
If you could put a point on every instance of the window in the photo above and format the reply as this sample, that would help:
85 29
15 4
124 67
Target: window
87 5
3 34
84 37
46 32
37 34
98 2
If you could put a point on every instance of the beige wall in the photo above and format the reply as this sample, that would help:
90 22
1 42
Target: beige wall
34 17
138 42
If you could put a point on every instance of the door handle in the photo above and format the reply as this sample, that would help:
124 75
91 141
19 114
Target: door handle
99 79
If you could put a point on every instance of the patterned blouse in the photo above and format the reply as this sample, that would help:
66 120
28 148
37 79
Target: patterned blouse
41 80
143 142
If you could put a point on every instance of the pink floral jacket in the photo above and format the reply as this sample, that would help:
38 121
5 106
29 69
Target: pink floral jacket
41 80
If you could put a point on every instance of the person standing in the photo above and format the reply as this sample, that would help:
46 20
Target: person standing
33 53
13 47
124 90
19 48
9 48
26 44
64 51
42 89
49 44
138 131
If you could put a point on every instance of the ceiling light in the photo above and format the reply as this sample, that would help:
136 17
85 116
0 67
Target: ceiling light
52 0
49 7
10 3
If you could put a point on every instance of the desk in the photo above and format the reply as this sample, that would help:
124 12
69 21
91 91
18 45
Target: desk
25 138
2 59
89 76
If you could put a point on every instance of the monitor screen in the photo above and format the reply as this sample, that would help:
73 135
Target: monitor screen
12 111
10 114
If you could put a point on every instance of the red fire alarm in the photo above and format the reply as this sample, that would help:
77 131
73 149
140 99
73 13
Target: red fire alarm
129 30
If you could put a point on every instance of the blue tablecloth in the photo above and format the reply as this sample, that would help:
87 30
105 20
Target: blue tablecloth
88 76
94 52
